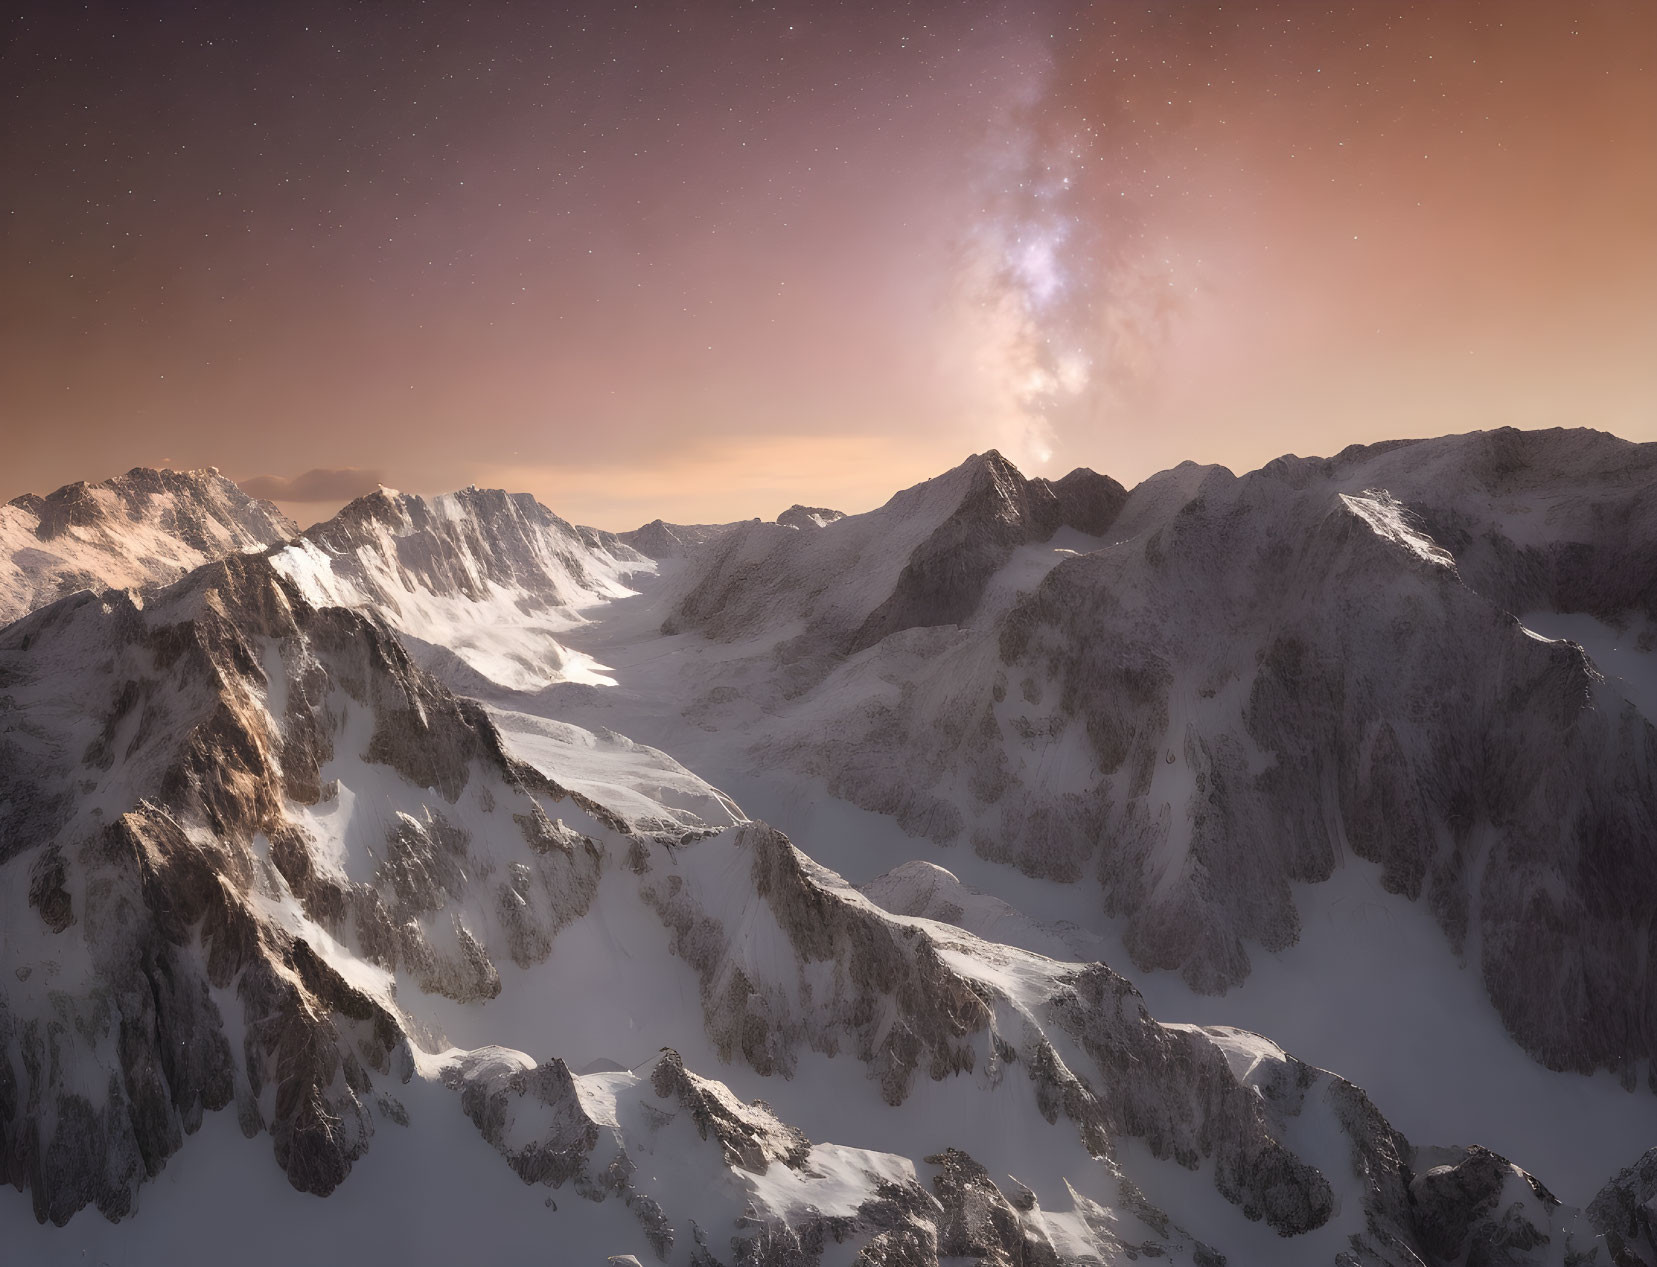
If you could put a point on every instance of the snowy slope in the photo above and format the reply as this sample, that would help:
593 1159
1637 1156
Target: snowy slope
1272 672
1242 691
262 869
499 979
137 530
479 582
1370 989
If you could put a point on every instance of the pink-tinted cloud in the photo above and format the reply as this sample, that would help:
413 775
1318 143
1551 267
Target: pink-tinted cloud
319 484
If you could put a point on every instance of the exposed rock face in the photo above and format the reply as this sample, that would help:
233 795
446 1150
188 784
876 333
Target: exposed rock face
166 780
254 858
880 971
1625 1212
1277 674
923 559
945 576
493 1082
140 530
911 1001
1475 1207
1258 677
979 1222
808 517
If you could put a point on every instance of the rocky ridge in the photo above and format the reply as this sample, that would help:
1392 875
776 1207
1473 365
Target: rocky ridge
1244 681
207 934
808 517
140 530
264 860
479 583
660 540
173 857
925 558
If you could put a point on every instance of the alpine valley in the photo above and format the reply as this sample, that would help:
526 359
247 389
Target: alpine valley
1250 869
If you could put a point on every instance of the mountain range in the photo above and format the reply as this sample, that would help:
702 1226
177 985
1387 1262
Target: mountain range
1232 868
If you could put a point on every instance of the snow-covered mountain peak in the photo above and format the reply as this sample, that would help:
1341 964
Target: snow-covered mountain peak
289 870
1241 687
922 559
330 851
480 581
1158 497
139 530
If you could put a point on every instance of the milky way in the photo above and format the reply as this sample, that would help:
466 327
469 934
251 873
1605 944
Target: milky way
701 261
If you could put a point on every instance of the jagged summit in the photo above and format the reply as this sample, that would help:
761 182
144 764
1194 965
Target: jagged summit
922 559
378 505
83 503
138 530
480 581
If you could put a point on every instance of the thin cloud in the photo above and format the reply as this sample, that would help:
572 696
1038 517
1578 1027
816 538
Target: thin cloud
715 479
320 484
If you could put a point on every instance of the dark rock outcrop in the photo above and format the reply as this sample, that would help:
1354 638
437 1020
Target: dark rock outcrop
158 856
809 517
889 993
923 559
1625 1213
1264 675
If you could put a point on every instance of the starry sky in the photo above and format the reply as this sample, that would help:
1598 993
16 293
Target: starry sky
703 260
